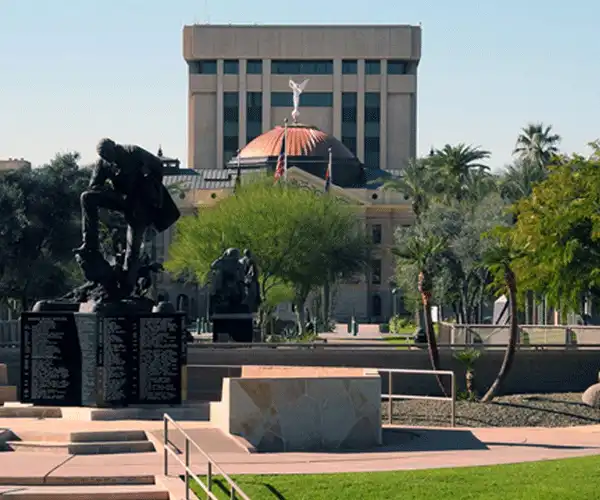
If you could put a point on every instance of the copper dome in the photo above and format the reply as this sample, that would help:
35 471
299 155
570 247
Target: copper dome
302 140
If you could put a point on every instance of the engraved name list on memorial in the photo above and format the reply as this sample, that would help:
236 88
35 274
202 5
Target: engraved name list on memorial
160 360
50 375
117 359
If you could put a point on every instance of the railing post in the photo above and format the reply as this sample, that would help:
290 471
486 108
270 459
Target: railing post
165 444
187 468
390 409
453 410
209 478
232 493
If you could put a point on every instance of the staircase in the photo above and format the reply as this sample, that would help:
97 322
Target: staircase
79 443
79 492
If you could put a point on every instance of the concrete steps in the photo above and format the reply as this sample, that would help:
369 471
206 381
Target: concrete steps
81 443
135 492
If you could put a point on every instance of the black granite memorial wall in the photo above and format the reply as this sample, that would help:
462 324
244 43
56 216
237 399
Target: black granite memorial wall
73 359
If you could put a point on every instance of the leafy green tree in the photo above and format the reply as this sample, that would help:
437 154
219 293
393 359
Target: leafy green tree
537 144
40 219
461 279
299 237
558 233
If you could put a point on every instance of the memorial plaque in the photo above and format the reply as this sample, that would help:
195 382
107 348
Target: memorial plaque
117 359
161 354
87 328
50 359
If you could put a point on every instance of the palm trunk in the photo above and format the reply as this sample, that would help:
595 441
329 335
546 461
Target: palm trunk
509 355
432 347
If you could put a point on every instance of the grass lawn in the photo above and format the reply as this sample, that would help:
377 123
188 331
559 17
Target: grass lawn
570 479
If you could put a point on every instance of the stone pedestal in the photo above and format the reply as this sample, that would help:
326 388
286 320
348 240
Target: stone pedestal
301 412
233 327
8 393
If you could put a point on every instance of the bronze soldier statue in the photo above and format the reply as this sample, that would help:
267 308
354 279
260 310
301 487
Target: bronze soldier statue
251 281
127 179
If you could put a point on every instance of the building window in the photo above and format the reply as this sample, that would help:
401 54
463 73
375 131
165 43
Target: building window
349 101
376 272
397 67
372 129
231 67
349 67
307 99
372 67
254 67
231 119
203 67
253 115
376 305
302 67
376 234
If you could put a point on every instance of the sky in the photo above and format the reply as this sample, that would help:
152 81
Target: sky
72 72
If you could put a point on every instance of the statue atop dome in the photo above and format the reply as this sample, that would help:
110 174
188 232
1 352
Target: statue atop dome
297 89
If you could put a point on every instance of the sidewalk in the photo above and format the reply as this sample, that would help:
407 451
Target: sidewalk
405 448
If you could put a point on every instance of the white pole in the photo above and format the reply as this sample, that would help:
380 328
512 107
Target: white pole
285 162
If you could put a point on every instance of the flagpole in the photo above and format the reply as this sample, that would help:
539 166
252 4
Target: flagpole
330 167
285 162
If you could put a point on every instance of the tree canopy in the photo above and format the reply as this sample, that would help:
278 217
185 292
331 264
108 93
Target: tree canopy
557 233
298 236
39 225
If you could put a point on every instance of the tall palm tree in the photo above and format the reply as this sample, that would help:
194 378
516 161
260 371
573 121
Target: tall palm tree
424 252
498 260
456 166
415 183
537 144
518 180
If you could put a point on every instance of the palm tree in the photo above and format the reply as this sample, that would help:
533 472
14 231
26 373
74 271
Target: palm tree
456 166
424 252
537 144
498 261
415 183
520 178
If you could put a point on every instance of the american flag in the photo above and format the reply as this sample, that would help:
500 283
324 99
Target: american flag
280 169
328 173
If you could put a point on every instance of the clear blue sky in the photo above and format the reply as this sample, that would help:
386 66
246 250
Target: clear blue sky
73 72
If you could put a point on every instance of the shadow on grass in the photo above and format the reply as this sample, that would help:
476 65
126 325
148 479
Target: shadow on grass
223 487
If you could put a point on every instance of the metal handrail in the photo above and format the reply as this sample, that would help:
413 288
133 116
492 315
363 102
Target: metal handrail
235 489
391 396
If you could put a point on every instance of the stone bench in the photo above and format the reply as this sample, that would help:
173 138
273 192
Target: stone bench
302 408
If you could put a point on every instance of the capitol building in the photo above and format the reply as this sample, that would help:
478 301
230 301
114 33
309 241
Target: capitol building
359 99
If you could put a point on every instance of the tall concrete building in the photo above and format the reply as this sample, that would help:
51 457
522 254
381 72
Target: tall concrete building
362 87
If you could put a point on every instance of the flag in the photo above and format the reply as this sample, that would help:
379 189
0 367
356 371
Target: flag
281 168
328 173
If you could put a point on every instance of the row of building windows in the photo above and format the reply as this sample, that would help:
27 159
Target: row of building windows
254 111
298 67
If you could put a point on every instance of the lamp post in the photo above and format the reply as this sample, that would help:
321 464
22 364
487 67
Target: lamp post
395 292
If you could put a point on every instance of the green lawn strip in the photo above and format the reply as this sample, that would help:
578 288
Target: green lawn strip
568 479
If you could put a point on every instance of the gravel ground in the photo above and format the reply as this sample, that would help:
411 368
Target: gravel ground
528 410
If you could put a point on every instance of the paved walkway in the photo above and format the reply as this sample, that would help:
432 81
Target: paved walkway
405 448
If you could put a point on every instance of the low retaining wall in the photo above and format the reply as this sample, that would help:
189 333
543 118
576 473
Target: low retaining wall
532 372
543 371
